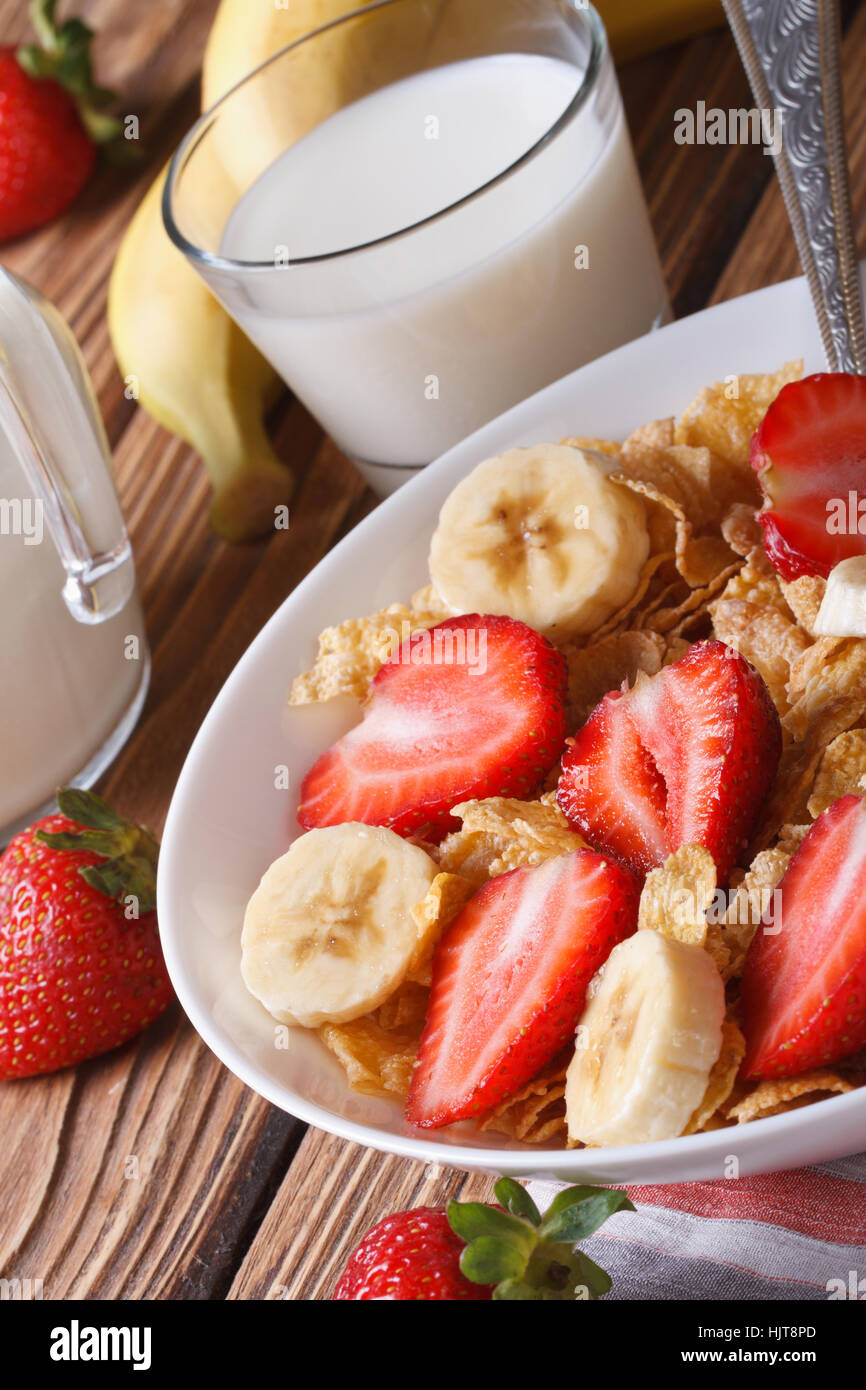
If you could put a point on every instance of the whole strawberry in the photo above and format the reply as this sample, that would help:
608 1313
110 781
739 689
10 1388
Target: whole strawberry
473 1251
81 969
50 122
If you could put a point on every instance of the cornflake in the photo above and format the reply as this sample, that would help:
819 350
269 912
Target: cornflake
606 665
741 529
724 417
842 770
752 616
447 894
700 560
352 652
536 1112
675 618
501 833
689 477
641 602
378 1051
721 1079
831 671
597 446
752 902
774 1097
788 799
804 596
676 896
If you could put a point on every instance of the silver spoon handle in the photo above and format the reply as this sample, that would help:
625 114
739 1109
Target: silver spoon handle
790 50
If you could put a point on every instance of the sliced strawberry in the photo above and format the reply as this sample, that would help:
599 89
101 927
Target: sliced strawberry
471 708
510 978
609 779
810 457
685 757
804 985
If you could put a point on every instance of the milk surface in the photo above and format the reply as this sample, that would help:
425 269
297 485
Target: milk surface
403 347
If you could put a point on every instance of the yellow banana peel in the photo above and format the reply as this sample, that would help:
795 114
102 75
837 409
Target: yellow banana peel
243 36
193 370
635 27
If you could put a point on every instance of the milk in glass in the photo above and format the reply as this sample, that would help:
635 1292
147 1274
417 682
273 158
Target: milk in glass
403 347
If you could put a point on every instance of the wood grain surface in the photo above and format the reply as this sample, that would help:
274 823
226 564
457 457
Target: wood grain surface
152 1172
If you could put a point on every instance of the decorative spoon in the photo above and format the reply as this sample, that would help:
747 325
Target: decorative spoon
790 50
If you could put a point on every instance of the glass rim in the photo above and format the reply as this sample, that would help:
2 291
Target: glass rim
198 132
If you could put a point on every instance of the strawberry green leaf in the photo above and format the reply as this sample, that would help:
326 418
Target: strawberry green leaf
94 840
528 1262
517 1200
43 19
554 1271
35 62
75 35
86 808
489 1261
515 1291
120 879
567 1198
591 1276
129 852
472 1220
583 1217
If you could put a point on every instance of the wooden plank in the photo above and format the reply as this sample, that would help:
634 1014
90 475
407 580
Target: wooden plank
136 1174
209 1149
700 197
333 1194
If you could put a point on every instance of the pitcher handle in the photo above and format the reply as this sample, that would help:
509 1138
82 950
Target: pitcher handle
50 418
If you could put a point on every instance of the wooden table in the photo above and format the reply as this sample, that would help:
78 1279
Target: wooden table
230 1198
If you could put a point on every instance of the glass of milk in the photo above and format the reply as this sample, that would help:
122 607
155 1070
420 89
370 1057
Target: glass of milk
421 214
75 663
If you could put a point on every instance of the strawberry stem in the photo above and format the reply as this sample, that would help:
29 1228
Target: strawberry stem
529 1257
63 54
130 852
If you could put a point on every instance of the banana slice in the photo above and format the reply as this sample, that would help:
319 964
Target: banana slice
542 535
646 1043
328 933
843 607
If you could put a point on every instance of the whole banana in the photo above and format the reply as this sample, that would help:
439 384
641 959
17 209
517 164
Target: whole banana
193 370
634 29
243 36
185 359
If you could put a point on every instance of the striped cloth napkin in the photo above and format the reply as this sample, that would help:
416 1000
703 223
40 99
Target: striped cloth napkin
793 1235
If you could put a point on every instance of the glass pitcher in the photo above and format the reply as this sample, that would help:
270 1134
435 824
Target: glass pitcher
74 661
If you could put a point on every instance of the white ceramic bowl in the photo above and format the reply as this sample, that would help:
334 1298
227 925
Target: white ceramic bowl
227 820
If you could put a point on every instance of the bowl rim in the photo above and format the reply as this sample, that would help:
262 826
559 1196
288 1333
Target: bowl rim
528 1159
